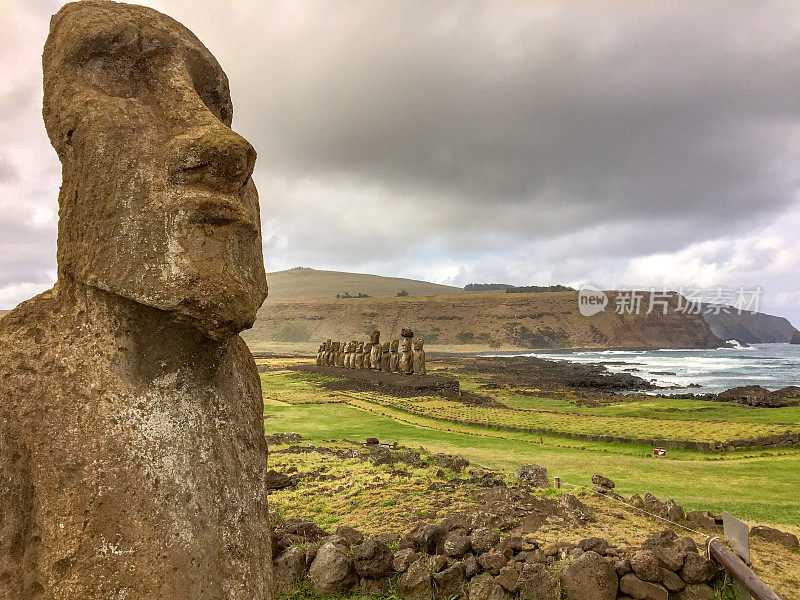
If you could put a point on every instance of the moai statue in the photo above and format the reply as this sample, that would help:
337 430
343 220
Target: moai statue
334 352
352 361
319 354
326 359
132 454
376 351
346 357
419 357
340 356
394 357
385 357
360 356
368 356
406 356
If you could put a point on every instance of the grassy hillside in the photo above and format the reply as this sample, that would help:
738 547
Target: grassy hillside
477 321
303 284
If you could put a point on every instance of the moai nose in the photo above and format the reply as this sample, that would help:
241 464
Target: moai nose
211 156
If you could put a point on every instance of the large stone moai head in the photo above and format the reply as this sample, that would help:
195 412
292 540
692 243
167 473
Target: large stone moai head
375 338
157 203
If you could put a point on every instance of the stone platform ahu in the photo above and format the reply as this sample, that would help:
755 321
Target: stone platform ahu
391 357
132 457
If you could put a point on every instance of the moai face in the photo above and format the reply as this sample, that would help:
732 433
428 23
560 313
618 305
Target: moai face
395 344
157 203
385 347
418 344
375 338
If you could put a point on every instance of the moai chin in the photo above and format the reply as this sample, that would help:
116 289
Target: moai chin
385 354
132 449
394 357
375 351
419 357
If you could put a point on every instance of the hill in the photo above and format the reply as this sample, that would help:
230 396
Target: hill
491 319
751 328
304 283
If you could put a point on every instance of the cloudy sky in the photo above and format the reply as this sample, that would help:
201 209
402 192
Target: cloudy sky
626 144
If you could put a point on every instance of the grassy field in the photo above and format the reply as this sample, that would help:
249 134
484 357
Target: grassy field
758 485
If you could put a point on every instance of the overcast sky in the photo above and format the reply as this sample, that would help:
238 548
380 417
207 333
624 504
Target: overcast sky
626 144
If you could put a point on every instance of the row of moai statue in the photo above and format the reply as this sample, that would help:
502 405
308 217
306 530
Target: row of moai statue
396 356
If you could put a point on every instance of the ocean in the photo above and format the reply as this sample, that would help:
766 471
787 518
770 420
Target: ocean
772 366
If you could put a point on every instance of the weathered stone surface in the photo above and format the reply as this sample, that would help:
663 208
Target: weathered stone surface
416 582
670 549
449 582
705 519
130 409
533 475
372 559
696 568
590 577
492 561
471 566
425 537
642 590
602 481
404 558
289 567
394 357
375 587
484 587
351 535
537 583
646 566
457 545
696 591
508 577
483 539
406 357
671 581
595 544
332 570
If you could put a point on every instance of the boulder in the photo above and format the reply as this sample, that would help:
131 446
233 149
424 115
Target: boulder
332 571
669 549
533 475
484 587
484 539
574 507
590 577
604 482
416 583
404 558
537 583
350 534
372 559
775 535
456 545
672 581
454 463
471 566
595 544
697 569
646 566
508 577
705 519
289 567
449 583
492 561
424 537
637 589
279 481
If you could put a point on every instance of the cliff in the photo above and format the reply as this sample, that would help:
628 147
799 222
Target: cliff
751 328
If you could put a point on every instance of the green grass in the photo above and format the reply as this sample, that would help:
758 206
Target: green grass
759 486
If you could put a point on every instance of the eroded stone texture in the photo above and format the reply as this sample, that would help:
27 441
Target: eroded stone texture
406 358
418 359
132 453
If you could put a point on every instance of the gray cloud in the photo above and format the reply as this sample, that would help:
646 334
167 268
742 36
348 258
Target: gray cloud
506 141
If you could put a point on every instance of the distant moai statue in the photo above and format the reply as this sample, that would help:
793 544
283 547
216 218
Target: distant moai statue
368 356
406 357
385 352
376 351
335 354
326 360
340 355
320 352
360 356
419 357
348 353
394 357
